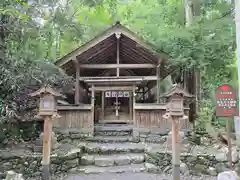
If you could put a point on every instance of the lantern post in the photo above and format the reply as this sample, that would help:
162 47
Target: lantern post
175 113
47 110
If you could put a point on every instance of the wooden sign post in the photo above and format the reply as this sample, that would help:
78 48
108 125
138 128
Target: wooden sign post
47 110
226 106
175 112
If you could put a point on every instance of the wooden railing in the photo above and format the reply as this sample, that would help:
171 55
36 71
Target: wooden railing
149 116
75 117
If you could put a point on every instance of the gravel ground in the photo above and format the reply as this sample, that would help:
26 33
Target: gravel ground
130 176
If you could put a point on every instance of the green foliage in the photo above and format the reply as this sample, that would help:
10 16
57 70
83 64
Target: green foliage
43 31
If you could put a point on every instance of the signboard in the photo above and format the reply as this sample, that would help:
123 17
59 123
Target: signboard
117 94
226 101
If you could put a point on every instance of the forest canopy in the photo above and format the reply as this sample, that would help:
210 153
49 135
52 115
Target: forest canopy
33 34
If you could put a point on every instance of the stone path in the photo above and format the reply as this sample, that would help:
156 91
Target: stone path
132 176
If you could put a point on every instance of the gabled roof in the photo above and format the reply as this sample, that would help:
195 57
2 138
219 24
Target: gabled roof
117 28
176 89
103 47
46 90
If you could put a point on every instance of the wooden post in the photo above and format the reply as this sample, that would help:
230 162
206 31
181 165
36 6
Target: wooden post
47 147
158 83
131 105
117 108
229 144
175 149
93 101
135 132
48 110
118 39
77 82
103 104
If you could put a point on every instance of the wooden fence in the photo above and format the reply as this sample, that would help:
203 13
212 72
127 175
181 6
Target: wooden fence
75 117
149 116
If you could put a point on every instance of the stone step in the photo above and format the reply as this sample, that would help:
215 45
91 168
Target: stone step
113 169
111 139
113 129
113 148
112 133
112 160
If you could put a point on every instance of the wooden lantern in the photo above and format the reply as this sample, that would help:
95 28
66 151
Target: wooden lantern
187 98
175 105
176 99
48 101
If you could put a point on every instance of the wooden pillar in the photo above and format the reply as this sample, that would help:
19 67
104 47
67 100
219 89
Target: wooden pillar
135 125
118 39
175 148
77 82
158 83
103 104
47 147
92 102
131 105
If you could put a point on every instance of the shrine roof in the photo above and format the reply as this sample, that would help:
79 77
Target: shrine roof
102 50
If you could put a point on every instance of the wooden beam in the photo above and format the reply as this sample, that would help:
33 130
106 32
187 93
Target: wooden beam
115 80
107 72
113 88
120 77
115 83
130 79
80 107
113 66
118 39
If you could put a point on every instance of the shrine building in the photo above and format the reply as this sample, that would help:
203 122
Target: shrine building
115 77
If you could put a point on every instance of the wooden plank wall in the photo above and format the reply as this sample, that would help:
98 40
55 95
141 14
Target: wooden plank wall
80 119
153 119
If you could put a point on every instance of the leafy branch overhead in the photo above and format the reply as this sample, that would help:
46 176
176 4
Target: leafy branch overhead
33 34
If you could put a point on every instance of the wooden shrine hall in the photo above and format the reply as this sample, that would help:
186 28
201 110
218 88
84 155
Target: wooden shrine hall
115 74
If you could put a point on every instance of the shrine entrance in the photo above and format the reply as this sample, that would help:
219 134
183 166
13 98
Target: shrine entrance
117 107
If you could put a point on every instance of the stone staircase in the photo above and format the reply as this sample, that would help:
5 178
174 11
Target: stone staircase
112 149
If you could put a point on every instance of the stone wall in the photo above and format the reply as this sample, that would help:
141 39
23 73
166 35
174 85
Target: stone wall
208 158
152 135
70 134
199 160
19 131
155 135
28 163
